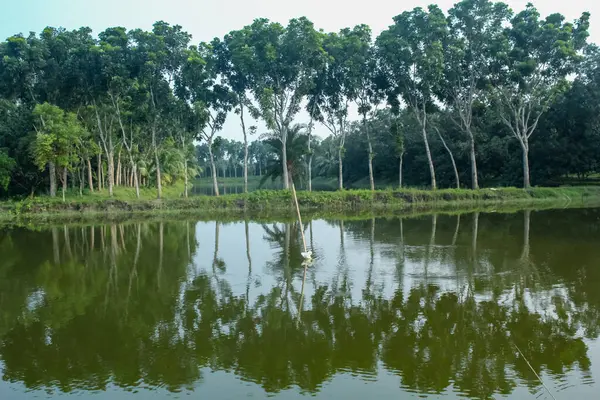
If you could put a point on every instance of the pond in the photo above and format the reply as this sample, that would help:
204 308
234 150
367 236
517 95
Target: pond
434 306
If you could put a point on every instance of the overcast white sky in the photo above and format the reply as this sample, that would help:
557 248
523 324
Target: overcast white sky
206 19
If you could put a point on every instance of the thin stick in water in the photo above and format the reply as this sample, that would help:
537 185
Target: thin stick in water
299 217
533 370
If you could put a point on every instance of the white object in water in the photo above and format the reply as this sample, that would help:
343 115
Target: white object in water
307 255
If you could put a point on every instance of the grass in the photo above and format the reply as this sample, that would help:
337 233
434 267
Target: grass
279 202
204 185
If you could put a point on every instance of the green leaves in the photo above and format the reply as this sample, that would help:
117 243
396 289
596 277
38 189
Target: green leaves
412 54
543 49
58 135
7 165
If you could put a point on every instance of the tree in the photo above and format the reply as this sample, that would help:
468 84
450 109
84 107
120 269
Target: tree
283 59
412 60
160 56
107 85
260 154
457 177
145 97
571 127
365 77
211 100
538 56
15 141
339 82
186 132
236 155
121 89
296 150
396 130
56 138
7 165
235 63
476 34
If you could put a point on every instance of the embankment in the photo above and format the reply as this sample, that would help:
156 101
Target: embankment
271 202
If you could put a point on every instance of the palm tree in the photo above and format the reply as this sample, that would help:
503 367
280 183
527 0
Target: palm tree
326 159
296 146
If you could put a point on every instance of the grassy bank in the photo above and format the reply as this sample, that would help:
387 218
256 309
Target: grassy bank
280 202
236 185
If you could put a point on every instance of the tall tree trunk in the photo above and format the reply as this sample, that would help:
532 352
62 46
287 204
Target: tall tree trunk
185 165
310 155
245 147
340 168
284 160
401 160
99 177
81 179
371 178
52 172
134 176
64 183
474 178
128 146
526 178
157 161
213 169
371 155
90 179
111 172
185 178
451 158
429 159
118 181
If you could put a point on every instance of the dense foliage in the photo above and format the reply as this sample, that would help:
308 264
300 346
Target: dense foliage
477 96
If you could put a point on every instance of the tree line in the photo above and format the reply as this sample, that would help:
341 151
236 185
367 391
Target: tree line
475 94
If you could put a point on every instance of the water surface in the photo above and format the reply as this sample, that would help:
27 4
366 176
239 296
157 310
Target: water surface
437 306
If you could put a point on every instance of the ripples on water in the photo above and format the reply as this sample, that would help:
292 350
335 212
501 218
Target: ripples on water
429 306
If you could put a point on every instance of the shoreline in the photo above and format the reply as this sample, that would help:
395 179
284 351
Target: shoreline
270 204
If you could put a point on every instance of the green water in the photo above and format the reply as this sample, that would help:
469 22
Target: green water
392 308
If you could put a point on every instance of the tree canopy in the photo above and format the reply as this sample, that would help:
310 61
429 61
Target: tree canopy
464 83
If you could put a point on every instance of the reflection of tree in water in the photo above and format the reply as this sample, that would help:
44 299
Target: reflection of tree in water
287 264
98 315
441 338
59 330
429 338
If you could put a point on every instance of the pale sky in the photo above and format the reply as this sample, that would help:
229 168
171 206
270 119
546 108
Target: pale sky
206 19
